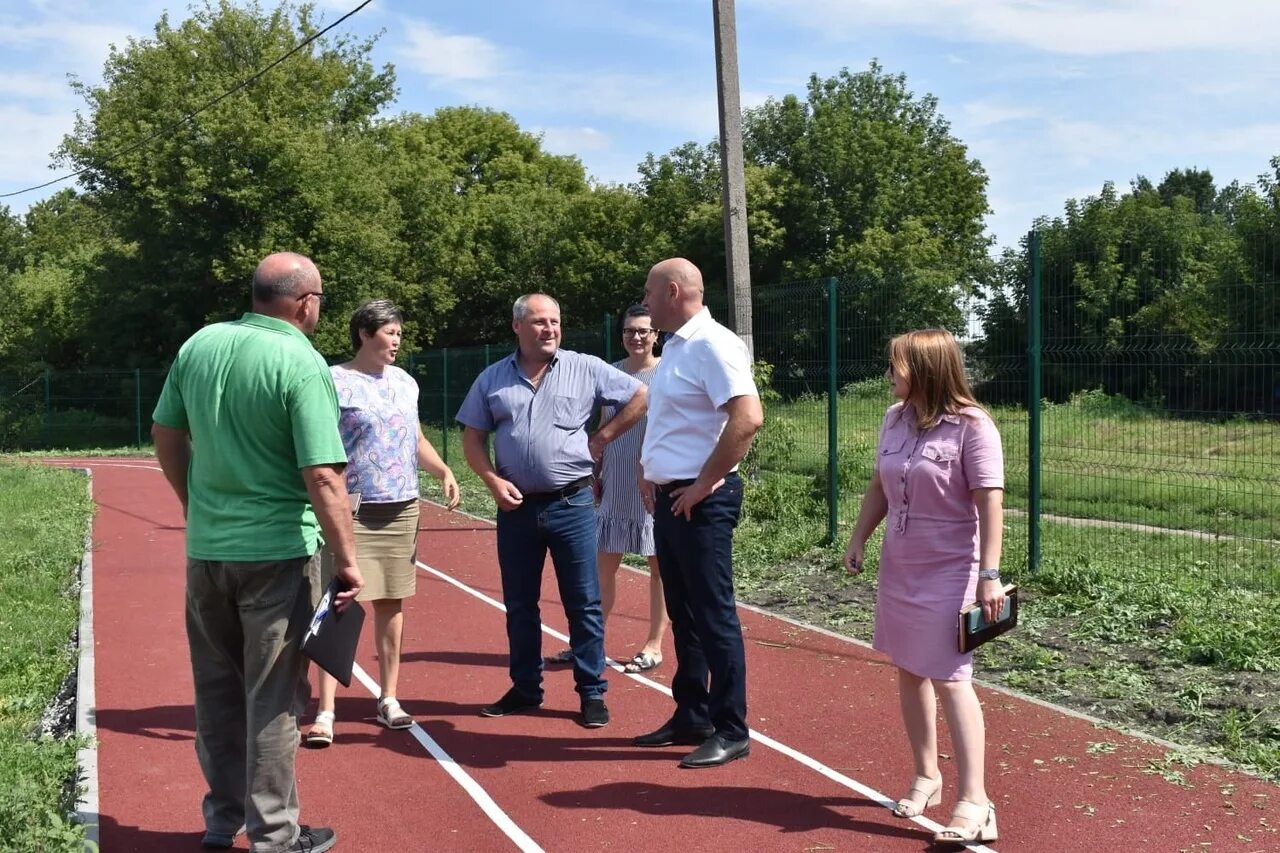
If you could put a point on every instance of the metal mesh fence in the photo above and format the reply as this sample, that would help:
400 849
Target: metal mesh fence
1153 445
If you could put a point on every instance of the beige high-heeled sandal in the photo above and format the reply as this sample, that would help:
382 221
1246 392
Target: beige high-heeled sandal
979 824
321 733
923 787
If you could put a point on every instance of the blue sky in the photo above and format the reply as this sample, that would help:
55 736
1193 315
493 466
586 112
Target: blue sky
1052 96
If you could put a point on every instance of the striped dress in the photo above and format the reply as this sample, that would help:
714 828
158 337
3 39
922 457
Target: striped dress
622 525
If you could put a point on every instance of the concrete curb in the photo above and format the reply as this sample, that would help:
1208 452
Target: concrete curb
86 699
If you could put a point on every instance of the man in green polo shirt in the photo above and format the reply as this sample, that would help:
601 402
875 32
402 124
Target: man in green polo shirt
246 431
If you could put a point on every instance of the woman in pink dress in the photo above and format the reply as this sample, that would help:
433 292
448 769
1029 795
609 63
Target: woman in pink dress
938 484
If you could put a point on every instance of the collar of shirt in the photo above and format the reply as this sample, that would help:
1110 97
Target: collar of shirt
694 324
262 321
908 416
514 359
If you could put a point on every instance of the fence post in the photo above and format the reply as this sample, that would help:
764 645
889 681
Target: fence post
833 412
137 406
1033 405
444 403
48 407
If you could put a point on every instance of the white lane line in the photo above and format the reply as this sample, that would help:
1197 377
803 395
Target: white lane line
486 803
501 819
85 712
90 463
764 740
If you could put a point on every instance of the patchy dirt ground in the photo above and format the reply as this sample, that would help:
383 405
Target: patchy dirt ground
1204 711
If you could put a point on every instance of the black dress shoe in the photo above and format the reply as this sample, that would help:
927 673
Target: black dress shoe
594 713
511 702
669 735
716 751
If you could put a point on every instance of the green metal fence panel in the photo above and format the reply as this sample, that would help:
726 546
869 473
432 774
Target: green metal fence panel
1033 404
1137 391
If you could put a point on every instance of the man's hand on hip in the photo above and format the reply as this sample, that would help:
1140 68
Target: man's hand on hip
685 498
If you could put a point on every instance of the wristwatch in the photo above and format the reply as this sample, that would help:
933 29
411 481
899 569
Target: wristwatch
989 574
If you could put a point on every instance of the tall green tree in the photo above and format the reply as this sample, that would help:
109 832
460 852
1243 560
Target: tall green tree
861 179
285 163
1142 296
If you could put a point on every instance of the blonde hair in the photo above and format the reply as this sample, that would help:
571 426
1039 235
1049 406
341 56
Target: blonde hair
930 362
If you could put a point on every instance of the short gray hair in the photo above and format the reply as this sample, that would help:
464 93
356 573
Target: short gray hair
270 285
372 316
520 309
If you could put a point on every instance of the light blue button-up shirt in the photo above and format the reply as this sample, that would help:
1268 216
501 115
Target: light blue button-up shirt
540 434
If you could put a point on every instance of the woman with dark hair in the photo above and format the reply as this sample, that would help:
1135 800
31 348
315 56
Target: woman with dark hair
938 482
385 446
622 524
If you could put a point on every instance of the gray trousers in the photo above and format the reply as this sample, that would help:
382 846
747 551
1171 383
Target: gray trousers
245 623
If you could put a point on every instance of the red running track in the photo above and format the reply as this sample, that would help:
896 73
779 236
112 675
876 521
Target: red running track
829 749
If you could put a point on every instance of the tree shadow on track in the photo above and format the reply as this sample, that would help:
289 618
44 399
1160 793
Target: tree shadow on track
163 722
115 836
786 810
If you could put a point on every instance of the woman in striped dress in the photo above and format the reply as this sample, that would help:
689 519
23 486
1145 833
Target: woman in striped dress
622 525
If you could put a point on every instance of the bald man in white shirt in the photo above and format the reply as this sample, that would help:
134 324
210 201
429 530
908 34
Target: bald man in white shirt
704 412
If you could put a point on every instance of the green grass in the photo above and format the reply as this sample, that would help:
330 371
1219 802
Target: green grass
45 513
1106 611
1102 458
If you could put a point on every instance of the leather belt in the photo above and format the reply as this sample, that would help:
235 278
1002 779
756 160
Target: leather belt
563 492
666 488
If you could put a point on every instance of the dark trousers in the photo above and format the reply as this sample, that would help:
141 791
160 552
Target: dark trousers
695 559
566 526
245 623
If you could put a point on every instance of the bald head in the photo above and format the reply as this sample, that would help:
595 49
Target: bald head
673 293
287 286
683 273
282 276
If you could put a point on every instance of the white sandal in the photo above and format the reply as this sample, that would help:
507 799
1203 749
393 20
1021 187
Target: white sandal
321 732
391 715
969 822
924 792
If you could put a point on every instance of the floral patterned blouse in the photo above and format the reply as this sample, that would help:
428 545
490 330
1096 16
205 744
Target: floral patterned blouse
379 424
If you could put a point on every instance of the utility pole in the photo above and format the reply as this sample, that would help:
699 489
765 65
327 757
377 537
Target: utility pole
733 182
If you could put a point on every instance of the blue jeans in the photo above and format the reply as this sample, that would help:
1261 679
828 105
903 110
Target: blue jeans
695 560
567 527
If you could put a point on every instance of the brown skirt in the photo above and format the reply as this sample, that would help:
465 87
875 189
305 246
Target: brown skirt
386 546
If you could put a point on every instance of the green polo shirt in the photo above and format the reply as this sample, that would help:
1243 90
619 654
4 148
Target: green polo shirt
260 405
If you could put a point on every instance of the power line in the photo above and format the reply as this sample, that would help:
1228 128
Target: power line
253 78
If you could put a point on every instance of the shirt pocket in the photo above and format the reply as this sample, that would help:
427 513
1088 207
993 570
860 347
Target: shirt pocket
567 412
941 453
894 445
499 407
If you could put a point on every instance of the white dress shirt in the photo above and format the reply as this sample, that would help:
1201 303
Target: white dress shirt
704 365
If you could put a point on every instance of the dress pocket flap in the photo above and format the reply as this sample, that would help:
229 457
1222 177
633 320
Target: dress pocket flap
941 451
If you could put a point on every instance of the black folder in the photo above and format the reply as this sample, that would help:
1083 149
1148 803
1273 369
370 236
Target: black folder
974 629
331 638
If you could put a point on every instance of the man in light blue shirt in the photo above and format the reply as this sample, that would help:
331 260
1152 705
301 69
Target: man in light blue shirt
538 403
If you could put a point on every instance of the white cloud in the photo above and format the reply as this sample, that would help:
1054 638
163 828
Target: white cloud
1075 27
988 113
87 43
574 140
29 138
31 87
444 57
